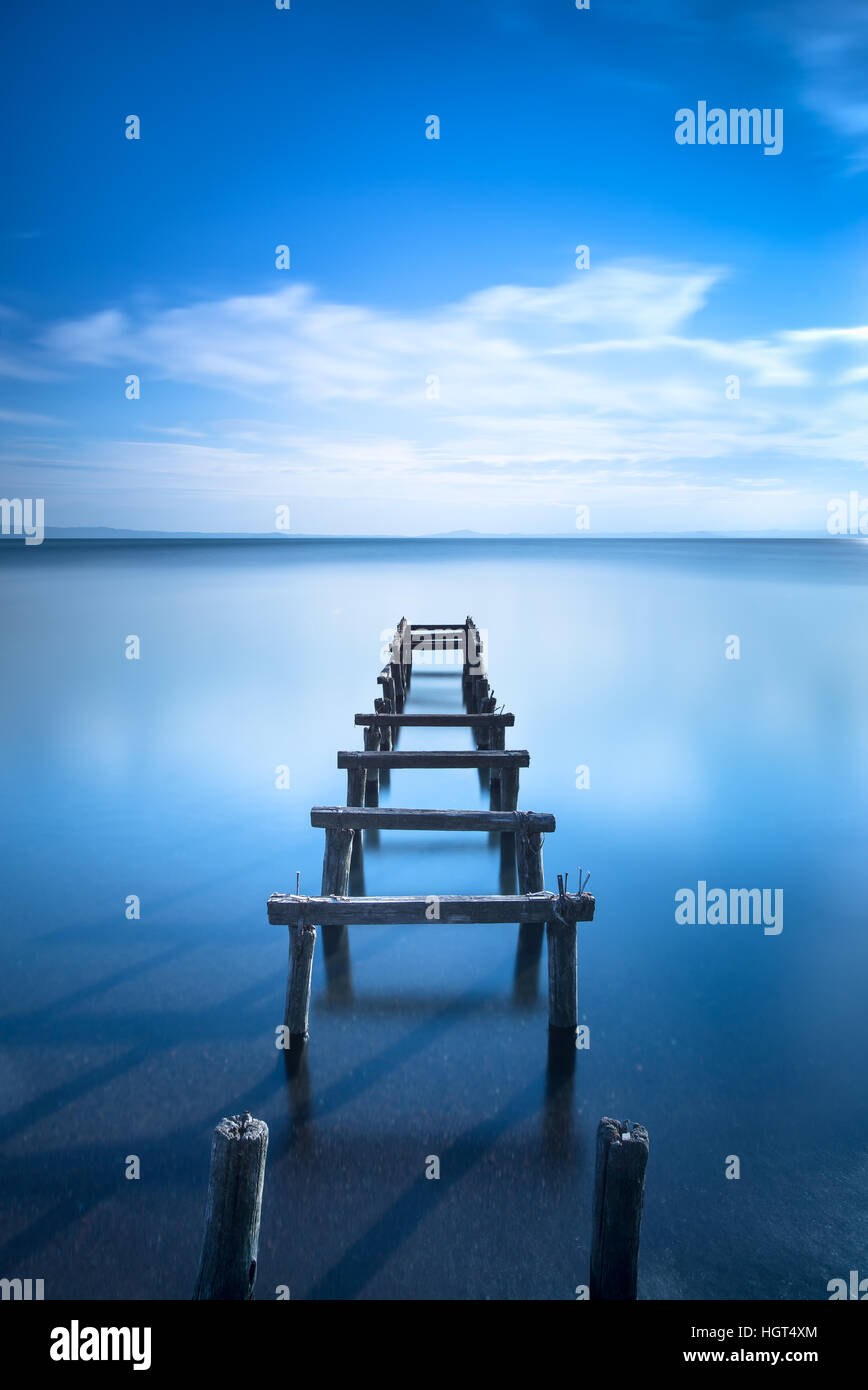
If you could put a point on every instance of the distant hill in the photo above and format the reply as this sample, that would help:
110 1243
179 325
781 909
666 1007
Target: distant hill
111 533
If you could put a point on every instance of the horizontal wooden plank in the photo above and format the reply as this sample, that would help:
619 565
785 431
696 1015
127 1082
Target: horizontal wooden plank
287 909
513 757
399 818
437 721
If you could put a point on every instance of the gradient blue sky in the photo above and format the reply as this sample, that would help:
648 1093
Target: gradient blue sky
414 258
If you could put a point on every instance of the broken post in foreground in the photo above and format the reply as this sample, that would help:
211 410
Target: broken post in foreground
230 1247
619 1189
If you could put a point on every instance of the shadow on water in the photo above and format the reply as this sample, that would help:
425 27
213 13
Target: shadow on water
528 952
338 968
558 1118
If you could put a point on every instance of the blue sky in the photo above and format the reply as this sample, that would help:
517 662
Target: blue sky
415 259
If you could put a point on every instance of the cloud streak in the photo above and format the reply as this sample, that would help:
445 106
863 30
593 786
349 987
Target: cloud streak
600 383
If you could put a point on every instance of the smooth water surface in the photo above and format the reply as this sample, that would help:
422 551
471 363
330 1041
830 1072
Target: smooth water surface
156 777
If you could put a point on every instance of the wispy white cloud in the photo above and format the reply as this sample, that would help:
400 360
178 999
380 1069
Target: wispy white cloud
601 383
24 417
830 43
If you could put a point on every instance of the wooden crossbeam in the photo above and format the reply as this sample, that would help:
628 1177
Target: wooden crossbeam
290 910
398 818
437 721
508 758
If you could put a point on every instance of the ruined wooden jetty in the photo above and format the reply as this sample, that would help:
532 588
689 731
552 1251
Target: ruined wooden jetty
622 1147
522 832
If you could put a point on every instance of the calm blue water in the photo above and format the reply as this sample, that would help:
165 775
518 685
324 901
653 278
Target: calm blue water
156 777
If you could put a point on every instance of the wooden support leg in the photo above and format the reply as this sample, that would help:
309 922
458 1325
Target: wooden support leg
563 974
357 778
405 653
335 940
482 735
372 787
301 943
509 789
508 802
398 681
498 742
528 846
619 1191
530 860
336 863
387 742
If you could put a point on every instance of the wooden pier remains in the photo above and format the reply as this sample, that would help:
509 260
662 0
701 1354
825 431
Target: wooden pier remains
522 832
622 1147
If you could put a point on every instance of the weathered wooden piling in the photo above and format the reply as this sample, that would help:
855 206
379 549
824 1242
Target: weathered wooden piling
336 861
230 1246
396 670
372 783
529 855
496 743
472 656
387 685
357 775
302 939
405 648
562 941
619 1191
482 731
384 707
508 785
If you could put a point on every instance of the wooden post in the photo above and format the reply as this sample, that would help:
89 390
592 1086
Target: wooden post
396 669
302 940
619 1190
509 789
372 785
357 776
497 743
508 801
336 880
230 1247
478 692
398 683
529 843
406 652
561 937
528 849
483 734
336 862
389 707
357 781
473 663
